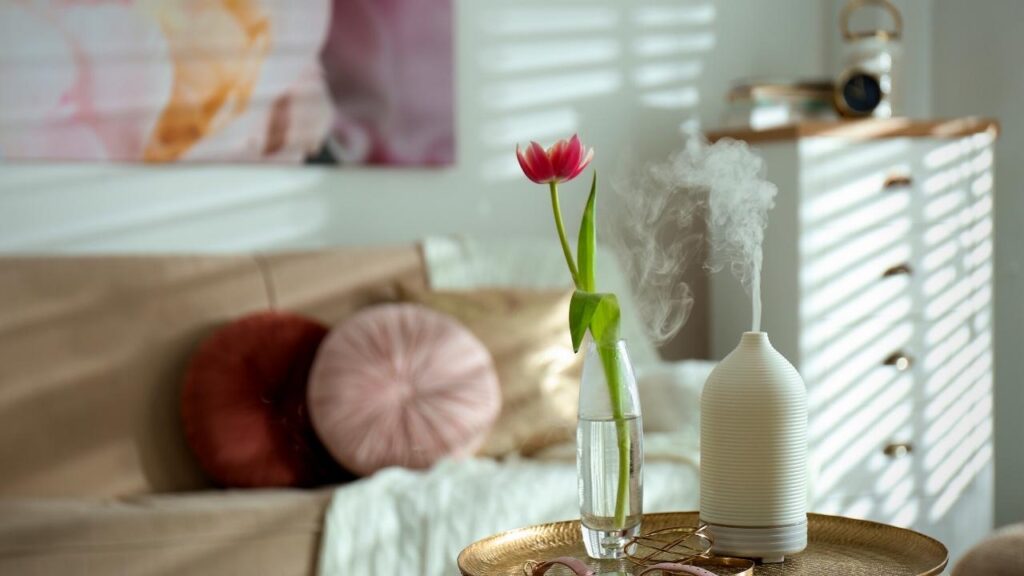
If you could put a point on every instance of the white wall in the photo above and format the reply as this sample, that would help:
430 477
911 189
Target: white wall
622 73
978 70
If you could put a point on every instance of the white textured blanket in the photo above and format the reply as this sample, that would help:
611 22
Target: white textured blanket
406 522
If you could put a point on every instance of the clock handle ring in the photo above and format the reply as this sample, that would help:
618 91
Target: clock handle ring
886 35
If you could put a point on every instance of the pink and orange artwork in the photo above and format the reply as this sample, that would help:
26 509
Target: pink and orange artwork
288 81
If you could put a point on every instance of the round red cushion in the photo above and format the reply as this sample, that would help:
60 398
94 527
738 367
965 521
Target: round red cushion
402 385
243 404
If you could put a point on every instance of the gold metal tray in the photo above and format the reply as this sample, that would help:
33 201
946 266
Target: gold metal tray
836 547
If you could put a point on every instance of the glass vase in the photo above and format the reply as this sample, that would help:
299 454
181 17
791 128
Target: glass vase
609 451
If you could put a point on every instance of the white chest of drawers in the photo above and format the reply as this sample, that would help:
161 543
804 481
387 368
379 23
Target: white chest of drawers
877 285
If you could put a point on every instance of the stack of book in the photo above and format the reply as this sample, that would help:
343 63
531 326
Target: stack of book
764 104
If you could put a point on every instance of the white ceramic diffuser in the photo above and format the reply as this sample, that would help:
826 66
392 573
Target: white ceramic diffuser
753 482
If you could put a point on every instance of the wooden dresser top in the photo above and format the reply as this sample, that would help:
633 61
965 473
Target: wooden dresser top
866 129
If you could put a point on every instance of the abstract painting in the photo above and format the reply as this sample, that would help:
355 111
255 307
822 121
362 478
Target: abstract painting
289 81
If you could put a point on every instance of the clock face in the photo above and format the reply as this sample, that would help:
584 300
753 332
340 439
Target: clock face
861 93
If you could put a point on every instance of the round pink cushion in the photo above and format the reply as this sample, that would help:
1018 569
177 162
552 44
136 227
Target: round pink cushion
402 385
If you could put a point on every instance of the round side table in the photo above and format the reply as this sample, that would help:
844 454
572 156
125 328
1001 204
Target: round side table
836 546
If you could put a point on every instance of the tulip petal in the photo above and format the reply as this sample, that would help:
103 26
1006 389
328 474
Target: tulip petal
555 155
582 165
527 168
539 162
570 160
525 165
586 159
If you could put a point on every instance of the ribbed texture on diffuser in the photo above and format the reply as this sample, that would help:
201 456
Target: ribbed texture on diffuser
753 469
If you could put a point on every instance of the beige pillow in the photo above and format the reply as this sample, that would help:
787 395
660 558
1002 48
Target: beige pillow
527 333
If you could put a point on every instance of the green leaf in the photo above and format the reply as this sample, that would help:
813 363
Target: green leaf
587 245
596 312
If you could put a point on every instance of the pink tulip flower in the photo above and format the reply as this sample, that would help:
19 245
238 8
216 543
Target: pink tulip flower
562 162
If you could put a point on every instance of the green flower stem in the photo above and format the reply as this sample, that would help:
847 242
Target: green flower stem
609 359
557 209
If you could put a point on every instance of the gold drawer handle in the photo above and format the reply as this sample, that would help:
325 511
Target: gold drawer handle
898 270
898 449
897 181
899 359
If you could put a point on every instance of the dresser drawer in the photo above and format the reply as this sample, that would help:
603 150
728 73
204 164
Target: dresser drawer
860 185
853 185
838 175
866 442
900 270
850 276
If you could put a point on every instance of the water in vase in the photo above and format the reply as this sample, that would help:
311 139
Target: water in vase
597 458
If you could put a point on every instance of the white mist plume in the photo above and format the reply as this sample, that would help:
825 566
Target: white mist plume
731 177
656 239
739 199
720 184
